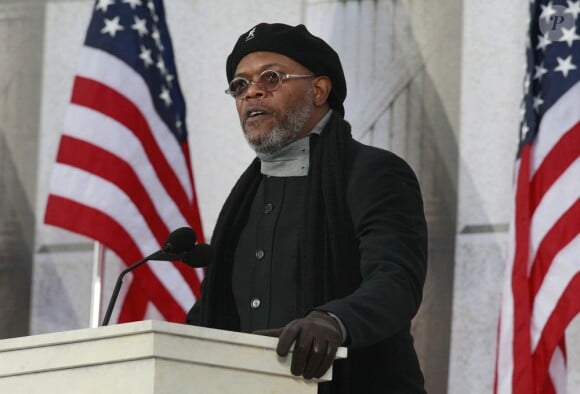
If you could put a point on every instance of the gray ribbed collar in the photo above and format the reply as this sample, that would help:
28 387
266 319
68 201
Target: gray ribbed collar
294 158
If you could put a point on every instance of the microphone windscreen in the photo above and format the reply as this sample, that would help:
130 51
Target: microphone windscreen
180 240
201 255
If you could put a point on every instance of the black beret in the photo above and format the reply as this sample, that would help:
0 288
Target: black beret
299 44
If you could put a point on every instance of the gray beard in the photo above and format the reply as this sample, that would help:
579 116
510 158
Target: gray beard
285 132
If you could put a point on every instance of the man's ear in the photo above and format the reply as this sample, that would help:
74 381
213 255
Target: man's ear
322 87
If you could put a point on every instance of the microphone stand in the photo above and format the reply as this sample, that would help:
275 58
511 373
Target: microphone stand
160 254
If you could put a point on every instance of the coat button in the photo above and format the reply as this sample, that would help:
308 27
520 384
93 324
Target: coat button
259 254
255 303
268 208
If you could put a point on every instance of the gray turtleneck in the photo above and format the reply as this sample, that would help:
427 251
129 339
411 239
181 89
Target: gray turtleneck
294 158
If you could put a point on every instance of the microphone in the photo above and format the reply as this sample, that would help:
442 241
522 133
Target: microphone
201 255
180 242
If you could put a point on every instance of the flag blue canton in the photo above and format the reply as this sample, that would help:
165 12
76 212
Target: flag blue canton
135 31
553 60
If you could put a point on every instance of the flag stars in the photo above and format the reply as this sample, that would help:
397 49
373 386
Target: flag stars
179 127
103 5
547 12
543 42
522 111
161 66
524 130
165 96
169 79
565 65
527 83
569 35
133 3
151 7
540 71
112 26
156 35
140 26
145 55
573 8
538 103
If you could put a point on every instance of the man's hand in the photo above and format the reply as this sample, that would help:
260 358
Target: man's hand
317 337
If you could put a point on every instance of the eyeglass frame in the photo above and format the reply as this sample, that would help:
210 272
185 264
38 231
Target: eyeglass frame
281 76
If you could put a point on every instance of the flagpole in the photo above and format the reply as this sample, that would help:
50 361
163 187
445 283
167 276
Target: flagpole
97 284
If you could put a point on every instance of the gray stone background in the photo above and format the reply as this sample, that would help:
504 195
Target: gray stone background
438 83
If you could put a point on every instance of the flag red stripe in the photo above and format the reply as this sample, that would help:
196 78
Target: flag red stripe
521 350
564 230
562 155
91 158
94 95
566 309
548 387
134 310
101 227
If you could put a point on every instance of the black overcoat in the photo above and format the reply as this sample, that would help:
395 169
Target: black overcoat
385 213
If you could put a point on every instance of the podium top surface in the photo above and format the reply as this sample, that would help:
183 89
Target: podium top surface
141 340
146 326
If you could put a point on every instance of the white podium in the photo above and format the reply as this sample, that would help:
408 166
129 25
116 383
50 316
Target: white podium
148 357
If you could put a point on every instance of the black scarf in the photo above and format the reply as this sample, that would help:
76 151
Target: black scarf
329 267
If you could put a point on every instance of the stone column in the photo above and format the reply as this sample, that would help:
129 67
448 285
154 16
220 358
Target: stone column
21 47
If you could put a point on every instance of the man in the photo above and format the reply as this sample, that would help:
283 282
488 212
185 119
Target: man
322 240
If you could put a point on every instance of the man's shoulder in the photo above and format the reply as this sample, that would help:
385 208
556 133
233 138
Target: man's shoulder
369 157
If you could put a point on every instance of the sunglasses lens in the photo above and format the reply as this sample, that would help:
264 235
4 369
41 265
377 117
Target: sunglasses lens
269 80
238 86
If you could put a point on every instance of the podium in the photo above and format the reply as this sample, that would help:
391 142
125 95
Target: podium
149 357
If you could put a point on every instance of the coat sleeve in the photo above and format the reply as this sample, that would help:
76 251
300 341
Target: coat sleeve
386 207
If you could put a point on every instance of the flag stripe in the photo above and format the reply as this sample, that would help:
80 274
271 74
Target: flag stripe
555 123
97 161
91 126
127 215
108 231
92 159
522 372
557 380
555 203
94 128
554 287
504 359
99 97
564 230
97 65
564 312
136 309
562 155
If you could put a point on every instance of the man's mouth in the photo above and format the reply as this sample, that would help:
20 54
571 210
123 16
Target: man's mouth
255 112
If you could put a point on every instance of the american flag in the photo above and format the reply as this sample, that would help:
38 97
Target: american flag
541 292
123 173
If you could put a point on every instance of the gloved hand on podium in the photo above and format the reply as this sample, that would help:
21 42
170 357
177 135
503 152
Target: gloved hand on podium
317 336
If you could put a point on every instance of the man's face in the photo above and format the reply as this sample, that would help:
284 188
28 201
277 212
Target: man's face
272 120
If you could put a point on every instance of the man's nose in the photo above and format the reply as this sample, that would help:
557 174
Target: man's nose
254 90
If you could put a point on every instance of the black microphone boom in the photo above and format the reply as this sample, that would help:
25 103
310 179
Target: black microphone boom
177 245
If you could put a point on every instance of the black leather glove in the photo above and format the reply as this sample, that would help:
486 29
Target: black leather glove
317 337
